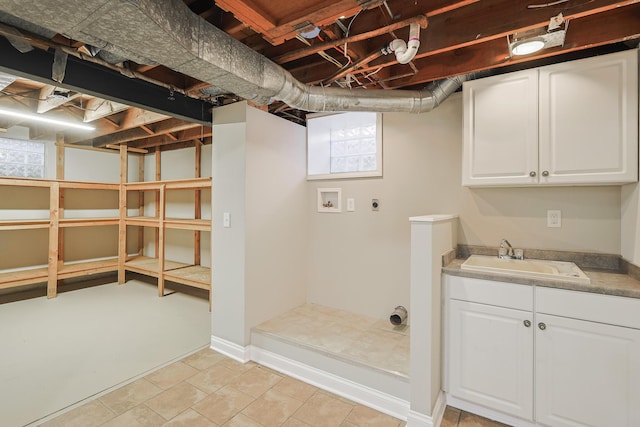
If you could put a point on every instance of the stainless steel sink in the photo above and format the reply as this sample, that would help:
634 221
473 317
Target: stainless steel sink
527 268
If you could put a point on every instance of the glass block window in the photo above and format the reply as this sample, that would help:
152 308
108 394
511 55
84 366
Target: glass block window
20 158
345 145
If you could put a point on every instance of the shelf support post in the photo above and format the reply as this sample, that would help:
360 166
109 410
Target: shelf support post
54 222
122 206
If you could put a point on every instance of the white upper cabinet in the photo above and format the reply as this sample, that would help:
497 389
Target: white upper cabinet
571 123
501 129
589 120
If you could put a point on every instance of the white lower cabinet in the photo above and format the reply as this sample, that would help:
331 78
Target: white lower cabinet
491 357
553 366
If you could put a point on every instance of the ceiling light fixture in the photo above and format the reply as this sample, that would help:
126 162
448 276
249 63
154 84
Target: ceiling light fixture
43 119
531 41
527 46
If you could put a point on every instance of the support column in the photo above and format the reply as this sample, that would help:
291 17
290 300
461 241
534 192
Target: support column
432 236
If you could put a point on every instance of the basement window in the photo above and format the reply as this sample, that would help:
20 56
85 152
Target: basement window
344 145
21 159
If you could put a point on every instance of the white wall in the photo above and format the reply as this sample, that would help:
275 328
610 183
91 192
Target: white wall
630 227
179 164
276 223
259 262
360 261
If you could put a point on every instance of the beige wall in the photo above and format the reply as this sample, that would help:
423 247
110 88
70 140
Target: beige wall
359 261
29 248
276 220
179 164
259 263
630 227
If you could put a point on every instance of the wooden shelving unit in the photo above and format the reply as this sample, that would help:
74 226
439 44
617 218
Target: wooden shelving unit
159 267
57 269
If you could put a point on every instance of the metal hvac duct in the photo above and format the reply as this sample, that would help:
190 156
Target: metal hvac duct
168 33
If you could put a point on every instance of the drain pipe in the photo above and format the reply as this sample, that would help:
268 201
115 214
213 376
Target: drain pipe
405 52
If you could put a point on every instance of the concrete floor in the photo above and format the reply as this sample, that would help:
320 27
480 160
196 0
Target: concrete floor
57 352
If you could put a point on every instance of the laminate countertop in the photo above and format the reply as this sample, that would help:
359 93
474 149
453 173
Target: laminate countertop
606 282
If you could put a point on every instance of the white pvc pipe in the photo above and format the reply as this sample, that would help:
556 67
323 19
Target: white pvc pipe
405 52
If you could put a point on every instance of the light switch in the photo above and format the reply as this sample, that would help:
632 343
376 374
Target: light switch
351 204
226 220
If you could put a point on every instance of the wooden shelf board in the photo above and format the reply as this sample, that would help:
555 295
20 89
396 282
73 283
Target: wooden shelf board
188 224
25 182
194 275
24 224
35 182
88 222
23 277
150 266
176 184
86 268
143 221
89 185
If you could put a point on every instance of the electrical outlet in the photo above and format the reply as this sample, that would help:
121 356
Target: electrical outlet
351 204
554 218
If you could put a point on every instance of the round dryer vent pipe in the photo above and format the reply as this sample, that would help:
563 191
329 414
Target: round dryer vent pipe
399 316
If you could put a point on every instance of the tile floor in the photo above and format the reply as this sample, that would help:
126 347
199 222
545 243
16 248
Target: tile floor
209 389
366 340
456 418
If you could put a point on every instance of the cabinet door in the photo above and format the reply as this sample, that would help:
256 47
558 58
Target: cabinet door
501 130
589 120
491 357
587 373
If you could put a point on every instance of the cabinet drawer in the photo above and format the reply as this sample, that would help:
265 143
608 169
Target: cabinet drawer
500 294
600 308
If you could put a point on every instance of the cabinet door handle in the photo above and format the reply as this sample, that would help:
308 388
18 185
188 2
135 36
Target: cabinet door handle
532 174
542 326
545 173
527 323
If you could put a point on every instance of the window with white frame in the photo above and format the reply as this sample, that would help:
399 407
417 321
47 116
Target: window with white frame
344 145
22 159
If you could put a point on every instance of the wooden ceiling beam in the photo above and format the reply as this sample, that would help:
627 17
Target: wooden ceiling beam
159 128
609 27
185 135
48 100
319 47
495 19
277 29
98 108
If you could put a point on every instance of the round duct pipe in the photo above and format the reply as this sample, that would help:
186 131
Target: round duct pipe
399 316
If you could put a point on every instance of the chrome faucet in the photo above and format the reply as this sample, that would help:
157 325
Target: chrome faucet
506 251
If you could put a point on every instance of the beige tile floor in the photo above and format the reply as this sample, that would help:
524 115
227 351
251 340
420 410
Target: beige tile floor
456 418
366 340
209 389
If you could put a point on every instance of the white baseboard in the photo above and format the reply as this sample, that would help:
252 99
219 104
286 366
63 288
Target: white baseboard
367 396
417 419
231 349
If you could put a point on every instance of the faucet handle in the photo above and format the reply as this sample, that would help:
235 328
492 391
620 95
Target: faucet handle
518 253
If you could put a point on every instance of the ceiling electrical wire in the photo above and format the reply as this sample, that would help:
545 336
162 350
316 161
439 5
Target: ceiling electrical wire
553 3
